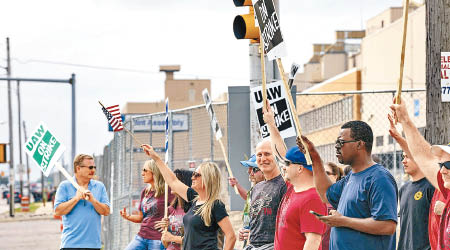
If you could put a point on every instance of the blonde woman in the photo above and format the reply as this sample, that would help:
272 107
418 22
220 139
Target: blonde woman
207 213
151 210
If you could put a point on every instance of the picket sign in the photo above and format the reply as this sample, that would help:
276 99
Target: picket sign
275 48
45 150
217 131
277 96
269 26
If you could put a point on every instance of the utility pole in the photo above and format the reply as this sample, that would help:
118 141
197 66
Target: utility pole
437 41
28 165
11 142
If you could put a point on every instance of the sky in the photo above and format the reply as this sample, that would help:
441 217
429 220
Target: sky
115 48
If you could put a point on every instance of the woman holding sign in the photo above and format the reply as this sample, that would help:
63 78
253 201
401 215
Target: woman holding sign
151 210
207 212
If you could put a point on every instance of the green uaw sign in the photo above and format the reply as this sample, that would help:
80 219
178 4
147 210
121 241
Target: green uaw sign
44 148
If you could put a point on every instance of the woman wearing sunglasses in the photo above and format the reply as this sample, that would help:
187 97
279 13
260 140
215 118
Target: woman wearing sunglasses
151 210
207 213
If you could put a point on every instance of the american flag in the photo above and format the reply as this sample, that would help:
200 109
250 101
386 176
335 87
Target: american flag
112 113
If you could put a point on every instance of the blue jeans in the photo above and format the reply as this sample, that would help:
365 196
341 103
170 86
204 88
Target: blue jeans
140 243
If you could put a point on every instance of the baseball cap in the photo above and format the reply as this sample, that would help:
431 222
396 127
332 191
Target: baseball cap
437 150
297 157
250 163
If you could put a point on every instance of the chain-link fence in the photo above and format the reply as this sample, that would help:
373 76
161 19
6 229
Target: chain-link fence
121 164
322 114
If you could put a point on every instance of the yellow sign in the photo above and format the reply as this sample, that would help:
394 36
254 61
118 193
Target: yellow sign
418 195
3 153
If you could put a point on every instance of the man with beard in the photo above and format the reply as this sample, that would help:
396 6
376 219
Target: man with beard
365 200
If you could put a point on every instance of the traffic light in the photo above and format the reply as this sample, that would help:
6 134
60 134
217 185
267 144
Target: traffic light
244 25
3 153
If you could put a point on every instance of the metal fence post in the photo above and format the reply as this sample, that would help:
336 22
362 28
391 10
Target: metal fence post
131 179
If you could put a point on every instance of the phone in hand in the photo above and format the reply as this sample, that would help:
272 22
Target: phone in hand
316 214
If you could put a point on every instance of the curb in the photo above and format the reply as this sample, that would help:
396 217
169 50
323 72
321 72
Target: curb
27 218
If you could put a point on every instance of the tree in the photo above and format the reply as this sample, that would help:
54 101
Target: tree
438 40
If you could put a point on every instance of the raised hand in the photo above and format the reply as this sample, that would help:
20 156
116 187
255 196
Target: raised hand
150 151
124 214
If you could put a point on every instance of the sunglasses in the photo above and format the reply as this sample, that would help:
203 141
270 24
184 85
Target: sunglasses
145 170
287 163
255 170
329 173
445 164
90 167
195 175
340 142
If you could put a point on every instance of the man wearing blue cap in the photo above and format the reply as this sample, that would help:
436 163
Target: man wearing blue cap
254 173
255 176
296 227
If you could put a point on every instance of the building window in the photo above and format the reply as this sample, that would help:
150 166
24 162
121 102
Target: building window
382 23
326 116
390 139
379 140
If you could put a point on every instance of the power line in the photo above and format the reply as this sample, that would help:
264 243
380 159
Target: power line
139 71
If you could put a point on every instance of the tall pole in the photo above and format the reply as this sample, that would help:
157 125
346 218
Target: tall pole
11 143
74 128
437 41
20 139
28 165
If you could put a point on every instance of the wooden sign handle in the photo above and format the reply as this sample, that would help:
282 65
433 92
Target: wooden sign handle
402 55
293 110
230 173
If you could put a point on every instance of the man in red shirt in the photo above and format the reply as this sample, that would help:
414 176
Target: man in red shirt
434 161
296 227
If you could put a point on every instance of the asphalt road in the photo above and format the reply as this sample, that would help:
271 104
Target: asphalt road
32 234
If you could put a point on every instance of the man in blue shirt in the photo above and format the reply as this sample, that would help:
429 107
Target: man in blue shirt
365 200
81 210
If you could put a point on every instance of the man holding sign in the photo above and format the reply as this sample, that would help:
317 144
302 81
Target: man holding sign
81 209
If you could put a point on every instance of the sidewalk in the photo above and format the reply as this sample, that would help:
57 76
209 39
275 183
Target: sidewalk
40 213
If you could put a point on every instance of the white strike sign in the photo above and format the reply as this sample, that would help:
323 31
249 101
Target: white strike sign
445 76
277 96
44 148
269 25
212 115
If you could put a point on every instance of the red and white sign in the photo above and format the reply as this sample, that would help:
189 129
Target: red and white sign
445 76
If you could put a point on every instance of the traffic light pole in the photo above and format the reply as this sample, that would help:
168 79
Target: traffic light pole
71 81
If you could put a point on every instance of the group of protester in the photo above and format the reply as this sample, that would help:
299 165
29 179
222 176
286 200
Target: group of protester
309 206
